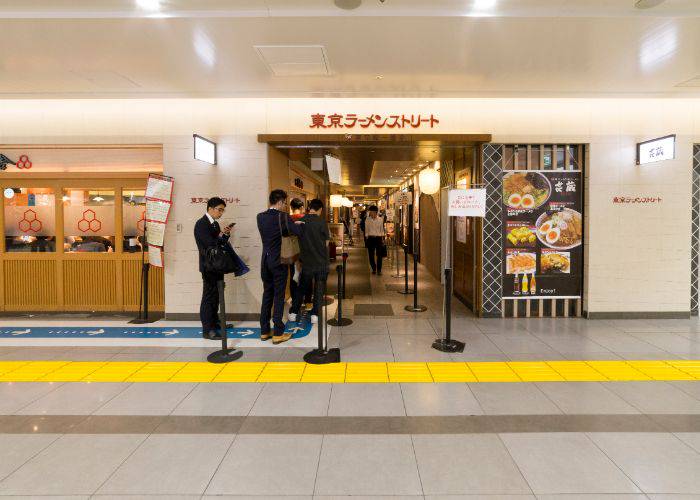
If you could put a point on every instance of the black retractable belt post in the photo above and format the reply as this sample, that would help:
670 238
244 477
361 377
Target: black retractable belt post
225 355
143 292
322 355
339 320
446 343
405 290
415 307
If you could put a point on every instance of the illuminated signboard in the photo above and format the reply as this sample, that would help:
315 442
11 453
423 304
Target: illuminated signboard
204 150
663 148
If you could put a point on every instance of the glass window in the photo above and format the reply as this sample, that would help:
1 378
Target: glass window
30 220
88 220
133 218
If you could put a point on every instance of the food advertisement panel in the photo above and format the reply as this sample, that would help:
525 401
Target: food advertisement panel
542 234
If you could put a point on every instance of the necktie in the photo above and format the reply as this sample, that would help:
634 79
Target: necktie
216 226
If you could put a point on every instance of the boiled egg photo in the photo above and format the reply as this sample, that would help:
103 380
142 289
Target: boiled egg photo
514 200
553 235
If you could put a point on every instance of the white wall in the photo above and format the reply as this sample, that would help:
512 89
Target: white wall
638 257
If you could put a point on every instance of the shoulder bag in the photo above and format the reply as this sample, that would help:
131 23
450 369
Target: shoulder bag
289 252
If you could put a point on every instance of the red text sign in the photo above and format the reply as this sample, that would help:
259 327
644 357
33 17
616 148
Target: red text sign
351 120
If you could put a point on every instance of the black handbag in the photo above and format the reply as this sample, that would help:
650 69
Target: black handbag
383 252
218 260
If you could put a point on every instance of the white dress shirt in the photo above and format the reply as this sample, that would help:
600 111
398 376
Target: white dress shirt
374 227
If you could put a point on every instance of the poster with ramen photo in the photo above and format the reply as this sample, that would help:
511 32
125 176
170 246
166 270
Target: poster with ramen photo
542 217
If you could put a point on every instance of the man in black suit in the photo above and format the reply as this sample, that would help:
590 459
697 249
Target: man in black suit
273 224
208 234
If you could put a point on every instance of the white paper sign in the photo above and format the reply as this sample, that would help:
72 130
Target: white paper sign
157 210
467 203
390 215
461 229
663 148
159 187
155 233
155 256
404 198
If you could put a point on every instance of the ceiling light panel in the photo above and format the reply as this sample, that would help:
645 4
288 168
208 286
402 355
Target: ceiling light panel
295 60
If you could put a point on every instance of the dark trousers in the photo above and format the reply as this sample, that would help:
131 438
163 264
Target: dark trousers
274 278
209 307
374 246
310 281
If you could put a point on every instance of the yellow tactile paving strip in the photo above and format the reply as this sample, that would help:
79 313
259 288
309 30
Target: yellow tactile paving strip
521 371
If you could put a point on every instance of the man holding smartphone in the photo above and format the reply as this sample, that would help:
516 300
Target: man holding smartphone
207 234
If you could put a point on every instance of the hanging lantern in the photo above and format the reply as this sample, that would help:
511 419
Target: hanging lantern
336 200
429 181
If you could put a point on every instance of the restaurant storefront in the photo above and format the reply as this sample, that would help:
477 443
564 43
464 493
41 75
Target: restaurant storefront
73 222
633 258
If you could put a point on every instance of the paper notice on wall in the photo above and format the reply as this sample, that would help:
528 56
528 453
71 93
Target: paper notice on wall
159 187
467 203
157 211
390 215
461 229
404 198
155 256
155 232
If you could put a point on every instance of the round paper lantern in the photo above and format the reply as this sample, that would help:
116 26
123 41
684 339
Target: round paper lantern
429 181
336 200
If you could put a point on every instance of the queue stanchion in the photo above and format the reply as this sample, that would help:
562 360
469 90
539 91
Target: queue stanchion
339 320
226 354
343 292
406 290
322 355
447 343
396 260
415 307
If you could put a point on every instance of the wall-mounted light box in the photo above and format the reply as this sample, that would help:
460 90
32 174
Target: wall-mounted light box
204 150
663 148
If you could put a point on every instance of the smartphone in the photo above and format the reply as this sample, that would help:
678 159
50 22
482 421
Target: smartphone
231 225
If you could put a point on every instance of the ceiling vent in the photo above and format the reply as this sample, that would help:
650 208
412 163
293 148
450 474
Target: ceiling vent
693 82
295 60
648 4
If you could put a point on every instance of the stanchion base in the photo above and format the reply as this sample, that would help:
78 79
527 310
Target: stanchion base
347 296
398 275
321 357
339 322
406 292
327 300
224 356
143 321
418 309
445 345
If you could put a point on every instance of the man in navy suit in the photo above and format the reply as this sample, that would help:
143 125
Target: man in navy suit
207 234
273 224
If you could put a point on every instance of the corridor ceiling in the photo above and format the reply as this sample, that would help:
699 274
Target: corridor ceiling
401 48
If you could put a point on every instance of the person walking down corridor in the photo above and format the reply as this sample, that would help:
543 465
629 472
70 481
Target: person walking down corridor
314 260
374 239
274 224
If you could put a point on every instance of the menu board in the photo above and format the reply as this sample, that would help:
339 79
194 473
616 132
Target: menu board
542 234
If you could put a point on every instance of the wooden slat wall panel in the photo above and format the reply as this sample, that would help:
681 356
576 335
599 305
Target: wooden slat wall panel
29 284
90 284
131 276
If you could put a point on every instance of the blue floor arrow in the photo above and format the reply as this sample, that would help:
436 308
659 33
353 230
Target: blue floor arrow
146 332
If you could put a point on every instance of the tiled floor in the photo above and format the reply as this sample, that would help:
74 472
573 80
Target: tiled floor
474 440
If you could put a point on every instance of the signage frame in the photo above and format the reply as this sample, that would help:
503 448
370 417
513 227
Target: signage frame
640 144
197 137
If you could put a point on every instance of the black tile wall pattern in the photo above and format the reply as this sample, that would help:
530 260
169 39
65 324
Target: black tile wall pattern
492 159
695 245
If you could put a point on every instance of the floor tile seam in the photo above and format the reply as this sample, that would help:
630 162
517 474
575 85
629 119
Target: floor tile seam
127 386
515 463
59 384
56 438
685 391
619 467
194 386
687 445
318 464
415 460
114 471
216 469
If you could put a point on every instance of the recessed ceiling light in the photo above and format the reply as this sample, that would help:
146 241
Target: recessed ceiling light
379 77
148 4
347 4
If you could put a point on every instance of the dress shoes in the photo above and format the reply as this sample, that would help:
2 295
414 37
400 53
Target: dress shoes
212 335
278 339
